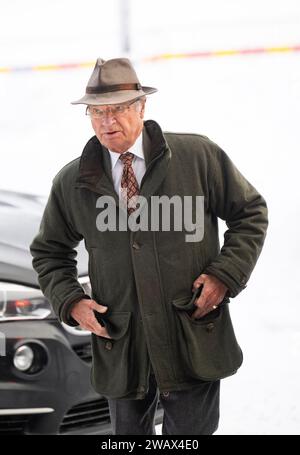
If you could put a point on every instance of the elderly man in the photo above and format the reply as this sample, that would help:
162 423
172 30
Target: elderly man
158 312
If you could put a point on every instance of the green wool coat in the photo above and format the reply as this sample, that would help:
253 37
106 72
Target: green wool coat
145 277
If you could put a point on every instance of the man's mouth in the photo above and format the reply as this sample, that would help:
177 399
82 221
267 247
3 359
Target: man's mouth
111 133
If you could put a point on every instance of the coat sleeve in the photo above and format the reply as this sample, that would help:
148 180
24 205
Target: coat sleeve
54 257
233 199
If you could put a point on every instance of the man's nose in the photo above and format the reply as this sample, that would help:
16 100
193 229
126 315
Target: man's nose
108 118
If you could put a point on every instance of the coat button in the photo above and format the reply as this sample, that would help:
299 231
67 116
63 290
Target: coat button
210 327
108 345
136 245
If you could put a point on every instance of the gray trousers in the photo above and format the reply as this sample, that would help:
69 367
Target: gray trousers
192 411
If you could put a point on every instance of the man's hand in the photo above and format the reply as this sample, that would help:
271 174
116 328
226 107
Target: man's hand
83 313
212 294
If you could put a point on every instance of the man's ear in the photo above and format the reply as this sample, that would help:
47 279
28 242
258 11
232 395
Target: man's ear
93 124
142 111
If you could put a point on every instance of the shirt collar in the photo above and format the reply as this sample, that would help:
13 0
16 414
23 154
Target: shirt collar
136 149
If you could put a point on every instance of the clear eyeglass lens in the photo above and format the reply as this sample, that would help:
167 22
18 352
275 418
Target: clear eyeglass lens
114 110
99 113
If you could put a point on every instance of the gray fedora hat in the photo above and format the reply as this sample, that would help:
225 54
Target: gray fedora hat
112 82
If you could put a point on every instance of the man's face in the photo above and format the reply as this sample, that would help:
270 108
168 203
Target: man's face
118 126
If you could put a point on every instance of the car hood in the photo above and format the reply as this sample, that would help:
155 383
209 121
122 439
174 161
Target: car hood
20 216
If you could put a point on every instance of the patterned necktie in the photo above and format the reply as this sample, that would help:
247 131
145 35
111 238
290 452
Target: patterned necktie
129 184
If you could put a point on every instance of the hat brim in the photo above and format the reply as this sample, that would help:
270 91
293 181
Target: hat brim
114 97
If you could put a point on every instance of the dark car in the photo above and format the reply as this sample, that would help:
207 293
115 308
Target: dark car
44 365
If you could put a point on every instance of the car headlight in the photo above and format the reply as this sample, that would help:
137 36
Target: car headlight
30 356
23 358
21 302
18 302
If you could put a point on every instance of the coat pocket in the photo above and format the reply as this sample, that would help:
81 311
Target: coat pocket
208 345
109 375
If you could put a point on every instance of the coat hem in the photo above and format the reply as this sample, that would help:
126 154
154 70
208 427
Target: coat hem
136 395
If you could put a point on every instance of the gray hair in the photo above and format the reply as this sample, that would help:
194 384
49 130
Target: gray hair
140 102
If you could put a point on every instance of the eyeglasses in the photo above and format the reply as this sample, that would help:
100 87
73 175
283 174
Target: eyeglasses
115 110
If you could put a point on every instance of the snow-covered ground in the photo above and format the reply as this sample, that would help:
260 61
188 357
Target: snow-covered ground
249 105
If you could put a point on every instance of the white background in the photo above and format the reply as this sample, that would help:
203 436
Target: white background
249 105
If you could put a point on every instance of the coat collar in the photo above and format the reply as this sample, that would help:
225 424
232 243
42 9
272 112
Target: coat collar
95 166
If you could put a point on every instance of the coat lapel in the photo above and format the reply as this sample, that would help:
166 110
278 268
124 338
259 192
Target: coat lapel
157 157
95 170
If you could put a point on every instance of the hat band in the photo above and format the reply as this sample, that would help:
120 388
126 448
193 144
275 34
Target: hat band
113 88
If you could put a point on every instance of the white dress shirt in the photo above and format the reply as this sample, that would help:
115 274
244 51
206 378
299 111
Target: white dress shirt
138 164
